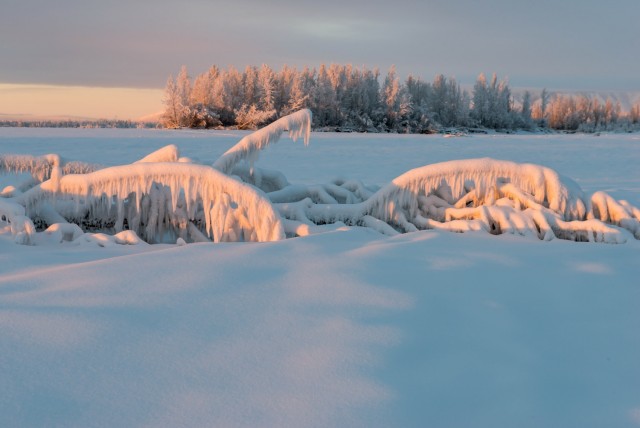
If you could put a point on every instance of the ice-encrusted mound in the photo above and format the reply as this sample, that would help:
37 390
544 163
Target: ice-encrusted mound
605 208
298 124
475 182
476 194
158 200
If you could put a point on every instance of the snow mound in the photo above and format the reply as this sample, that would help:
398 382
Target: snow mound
478 182
60 232
22 228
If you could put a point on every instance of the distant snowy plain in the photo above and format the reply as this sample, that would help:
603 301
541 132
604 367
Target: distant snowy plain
342 328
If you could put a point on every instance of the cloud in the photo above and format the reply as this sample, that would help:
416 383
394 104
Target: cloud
120 43
336 30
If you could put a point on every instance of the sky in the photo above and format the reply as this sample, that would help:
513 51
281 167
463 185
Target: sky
132 46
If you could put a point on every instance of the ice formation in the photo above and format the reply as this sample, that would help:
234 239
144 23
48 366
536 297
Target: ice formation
165 198
469 195
298 124
154 199
41 167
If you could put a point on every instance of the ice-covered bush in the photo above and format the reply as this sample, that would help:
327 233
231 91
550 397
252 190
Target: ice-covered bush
166 198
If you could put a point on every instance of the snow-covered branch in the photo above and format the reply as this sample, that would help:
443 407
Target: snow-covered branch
298 124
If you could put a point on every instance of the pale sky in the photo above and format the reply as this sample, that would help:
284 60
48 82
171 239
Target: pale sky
558 44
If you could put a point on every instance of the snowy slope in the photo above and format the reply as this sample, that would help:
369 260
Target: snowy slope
343 328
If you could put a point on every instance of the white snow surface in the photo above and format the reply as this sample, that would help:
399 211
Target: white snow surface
345 327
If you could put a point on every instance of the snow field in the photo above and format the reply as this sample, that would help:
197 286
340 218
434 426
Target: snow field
346 327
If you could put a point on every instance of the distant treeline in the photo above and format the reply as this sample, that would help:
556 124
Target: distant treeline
101 123
347 98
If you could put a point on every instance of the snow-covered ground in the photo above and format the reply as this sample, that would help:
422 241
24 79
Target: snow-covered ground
342 328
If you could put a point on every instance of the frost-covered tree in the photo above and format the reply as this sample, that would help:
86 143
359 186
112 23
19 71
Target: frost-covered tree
298 97
266 89
405 121
345 97
202 99
492 103
370 96
539 109
525 111
173 107
504 107
250 86
481 104
231 95
391 97
634 114
419 92
563 114
612 112
324 100
183 88
177 100
446 102
284 81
